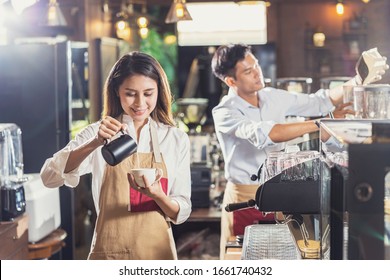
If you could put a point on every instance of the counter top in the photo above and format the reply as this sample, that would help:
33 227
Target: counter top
233 253
210 214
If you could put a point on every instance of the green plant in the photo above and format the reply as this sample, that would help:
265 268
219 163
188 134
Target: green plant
166 54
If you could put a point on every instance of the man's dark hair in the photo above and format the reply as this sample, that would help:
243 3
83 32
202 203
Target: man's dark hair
226 57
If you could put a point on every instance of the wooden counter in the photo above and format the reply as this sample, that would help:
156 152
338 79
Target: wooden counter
14 239
211 214
233 253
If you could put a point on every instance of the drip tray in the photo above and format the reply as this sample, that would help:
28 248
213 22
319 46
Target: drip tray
265 241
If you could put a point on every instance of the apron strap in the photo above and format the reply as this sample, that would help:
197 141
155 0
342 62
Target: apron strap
156 146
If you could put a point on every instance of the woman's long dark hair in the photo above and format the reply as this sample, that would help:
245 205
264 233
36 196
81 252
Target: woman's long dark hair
138 63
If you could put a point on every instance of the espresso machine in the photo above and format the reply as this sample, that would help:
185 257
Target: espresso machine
292 190
357 177
13 202
191 116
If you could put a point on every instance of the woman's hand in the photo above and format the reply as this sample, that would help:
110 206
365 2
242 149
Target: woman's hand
169 206
152 190
108 128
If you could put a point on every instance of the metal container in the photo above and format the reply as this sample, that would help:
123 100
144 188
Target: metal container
119 149
274 241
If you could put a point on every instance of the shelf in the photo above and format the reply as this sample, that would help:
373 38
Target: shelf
355 33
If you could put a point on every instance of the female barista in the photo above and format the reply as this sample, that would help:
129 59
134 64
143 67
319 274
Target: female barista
132 222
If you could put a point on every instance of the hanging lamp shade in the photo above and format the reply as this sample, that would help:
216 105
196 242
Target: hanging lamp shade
54 16
178 12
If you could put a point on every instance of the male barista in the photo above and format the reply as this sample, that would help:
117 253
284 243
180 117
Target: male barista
250 123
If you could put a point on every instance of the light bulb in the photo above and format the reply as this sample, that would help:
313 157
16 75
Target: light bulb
179 10
143 32
121 25
142 22
319 39
170 39
340 8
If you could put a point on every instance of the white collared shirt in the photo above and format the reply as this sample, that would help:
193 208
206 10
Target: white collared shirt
243 130
174 146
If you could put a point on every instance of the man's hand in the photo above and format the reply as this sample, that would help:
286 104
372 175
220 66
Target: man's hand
342 110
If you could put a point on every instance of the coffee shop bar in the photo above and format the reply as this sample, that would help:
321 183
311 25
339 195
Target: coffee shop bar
328 202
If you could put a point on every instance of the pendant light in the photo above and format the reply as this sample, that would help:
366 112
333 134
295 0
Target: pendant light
340 7
178 12
54 16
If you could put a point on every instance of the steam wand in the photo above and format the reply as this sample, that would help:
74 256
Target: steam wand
240 205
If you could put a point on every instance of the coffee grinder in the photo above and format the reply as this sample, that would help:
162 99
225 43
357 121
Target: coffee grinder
191 116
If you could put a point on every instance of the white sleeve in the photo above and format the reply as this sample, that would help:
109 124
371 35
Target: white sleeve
310 105
181 186
52 171
231 121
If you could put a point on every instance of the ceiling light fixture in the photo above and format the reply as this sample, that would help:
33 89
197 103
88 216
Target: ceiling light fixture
54 16
340 7
178 12
142 20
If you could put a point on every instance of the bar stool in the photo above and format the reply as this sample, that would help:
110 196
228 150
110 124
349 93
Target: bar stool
48 246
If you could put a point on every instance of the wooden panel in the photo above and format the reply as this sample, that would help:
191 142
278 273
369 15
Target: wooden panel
14 239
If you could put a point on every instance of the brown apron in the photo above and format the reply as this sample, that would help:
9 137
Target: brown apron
131 226
234 223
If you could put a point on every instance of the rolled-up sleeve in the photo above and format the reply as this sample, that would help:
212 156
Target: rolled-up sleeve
233 122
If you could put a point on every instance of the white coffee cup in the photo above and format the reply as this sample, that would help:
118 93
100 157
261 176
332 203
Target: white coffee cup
151 174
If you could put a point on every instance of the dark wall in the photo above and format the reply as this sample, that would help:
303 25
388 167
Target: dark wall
288 21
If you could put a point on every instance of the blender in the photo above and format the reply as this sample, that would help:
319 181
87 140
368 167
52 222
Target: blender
13 202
